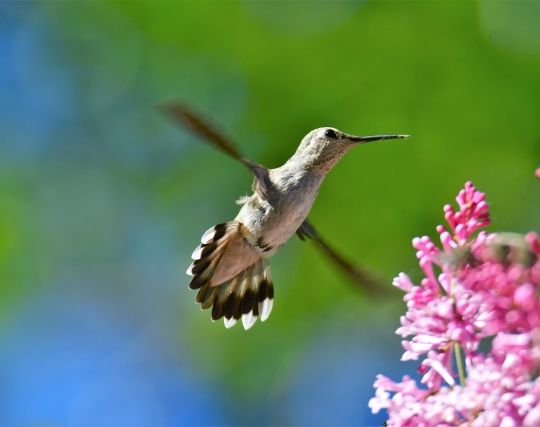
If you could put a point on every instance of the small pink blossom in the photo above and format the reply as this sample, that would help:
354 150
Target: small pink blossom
476 287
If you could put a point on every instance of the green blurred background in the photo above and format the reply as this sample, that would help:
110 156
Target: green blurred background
103 199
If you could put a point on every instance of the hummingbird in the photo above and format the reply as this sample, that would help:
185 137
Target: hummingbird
230 268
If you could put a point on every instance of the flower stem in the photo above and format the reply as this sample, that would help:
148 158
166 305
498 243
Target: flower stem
459 363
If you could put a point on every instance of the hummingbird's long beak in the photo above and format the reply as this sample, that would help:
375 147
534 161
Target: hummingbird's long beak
364 139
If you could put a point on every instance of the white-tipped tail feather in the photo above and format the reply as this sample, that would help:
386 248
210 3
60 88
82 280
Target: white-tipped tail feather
265 308
248 320
231 277
197 253
208 235
229 323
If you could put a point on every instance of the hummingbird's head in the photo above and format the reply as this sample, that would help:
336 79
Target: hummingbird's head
322 148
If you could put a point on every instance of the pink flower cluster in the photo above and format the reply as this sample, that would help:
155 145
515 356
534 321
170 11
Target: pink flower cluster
473 322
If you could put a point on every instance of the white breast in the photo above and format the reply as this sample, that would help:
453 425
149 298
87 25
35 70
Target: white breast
273 224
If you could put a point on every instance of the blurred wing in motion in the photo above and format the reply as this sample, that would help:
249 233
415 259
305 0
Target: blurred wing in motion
360 277
200 127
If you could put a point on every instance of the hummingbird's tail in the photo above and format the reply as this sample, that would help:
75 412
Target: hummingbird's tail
231 277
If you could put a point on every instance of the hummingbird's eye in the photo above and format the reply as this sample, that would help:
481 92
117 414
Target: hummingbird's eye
330 133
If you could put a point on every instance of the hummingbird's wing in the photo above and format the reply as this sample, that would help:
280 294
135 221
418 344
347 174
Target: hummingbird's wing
356 274
202 128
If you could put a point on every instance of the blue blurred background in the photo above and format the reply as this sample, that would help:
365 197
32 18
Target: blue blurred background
102 199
